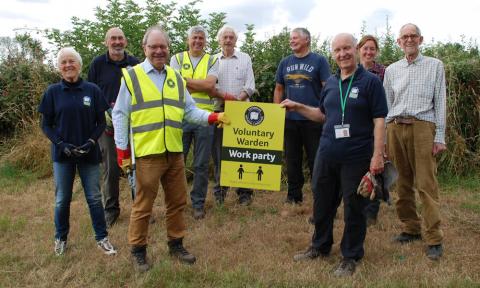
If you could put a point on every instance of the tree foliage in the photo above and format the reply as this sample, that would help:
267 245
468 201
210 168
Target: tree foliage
24 75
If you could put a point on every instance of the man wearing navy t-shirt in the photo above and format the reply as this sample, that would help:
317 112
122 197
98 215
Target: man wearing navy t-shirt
105 71
353 108
300 78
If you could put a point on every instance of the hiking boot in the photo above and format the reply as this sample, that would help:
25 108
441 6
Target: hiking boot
371 220
245 200
346 268
404 238
111 220
60 247
139 257
198 213
106 246
177 250
434 252
310 254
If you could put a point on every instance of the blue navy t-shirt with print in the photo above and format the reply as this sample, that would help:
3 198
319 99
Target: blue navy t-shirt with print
74 113
365 102
302 79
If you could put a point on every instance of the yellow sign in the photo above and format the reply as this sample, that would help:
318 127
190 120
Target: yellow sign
252 145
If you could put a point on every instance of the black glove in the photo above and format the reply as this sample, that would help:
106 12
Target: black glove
84 149
66 148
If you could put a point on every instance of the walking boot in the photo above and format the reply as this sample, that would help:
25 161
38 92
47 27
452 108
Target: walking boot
177 250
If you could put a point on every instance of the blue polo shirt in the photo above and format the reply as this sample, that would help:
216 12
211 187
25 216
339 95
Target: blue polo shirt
365 102
73 113
302 79
107 74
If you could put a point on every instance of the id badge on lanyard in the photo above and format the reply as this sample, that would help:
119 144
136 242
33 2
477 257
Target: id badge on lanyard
343 130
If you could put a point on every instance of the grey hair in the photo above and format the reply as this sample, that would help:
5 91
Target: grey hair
415 26
197 29
303 32
155 28
69 50
353 39
226 28
110 30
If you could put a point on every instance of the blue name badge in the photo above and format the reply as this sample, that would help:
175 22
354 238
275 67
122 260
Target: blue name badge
87 101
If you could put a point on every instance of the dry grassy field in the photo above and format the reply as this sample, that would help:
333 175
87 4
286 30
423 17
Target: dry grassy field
236 246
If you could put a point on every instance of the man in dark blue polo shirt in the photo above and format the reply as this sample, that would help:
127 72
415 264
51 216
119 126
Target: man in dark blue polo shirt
353 108
105 71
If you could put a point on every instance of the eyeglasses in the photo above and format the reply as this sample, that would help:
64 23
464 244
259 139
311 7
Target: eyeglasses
155 47
412 36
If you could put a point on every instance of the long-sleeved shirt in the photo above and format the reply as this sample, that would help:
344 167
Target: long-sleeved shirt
123 106
235 74
417 90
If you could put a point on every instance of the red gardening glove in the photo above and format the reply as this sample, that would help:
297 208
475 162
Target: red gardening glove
218 118
124 159
229 97
367 186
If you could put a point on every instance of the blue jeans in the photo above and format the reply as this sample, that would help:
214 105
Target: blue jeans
202 138
64 174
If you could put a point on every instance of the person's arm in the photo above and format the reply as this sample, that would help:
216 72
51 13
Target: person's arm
439 105
278 93
92 77
193 114
376 163
121 116
249 87
312 113
101 107
206 85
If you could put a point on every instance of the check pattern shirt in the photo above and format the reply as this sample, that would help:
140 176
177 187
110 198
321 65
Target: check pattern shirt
235 74
417 90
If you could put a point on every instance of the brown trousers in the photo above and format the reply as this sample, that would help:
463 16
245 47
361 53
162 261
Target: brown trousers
410 148
169 169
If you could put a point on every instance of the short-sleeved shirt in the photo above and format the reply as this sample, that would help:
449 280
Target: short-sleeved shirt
107 74
73 112
302 79
365 102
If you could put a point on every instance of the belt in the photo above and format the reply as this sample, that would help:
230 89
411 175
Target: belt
404 120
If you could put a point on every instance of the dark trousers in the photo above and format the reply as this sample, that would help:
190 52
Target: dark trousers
332 182
111 177
372 208
220 192
299 135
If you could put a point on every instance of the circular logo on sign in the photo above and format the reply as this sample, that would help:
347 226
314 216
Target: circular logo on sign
254 115
186 66
170 83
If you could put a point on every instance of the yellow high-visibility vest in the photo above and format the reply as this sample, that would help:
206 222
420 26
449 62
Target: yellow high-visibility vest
156 116
200 72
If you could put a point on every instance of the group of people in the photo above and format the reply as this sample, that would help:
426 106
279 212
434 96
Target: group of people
156 110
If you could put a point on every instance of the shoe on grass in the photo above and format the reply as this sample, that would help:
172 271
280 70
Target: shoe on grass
106 246
345 268
60 247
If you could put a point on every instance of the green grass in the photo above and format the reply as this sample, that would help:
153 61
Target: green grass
13 179
451 184
10 225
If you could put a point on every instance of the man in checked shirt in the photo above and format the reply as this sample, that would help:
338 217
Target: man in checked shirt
416 98
235 83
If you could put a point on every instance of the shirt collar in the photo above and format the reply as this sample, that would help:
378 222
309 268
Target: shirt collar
359 70
123 61
417 60
148 67
79 85
234 55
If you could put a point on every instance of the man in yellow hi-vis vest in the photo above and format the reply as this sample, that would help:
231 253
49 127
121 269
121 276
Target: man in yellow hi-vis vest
153 101
200 71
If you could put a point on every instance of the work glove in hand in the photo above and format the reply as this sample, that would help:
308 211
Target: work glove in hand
66 148
84 149
124 159
220 119
367 186
229 97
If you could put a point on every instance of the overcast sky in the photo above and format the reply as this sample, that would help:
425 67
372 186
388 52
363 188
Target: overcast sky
439 20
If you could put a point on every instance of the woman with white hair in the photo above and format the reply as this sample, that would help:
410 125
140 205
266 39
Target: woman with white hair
73 120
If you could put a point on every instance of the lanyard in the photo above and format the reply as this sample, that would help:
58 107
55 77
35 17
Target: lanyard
343 101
